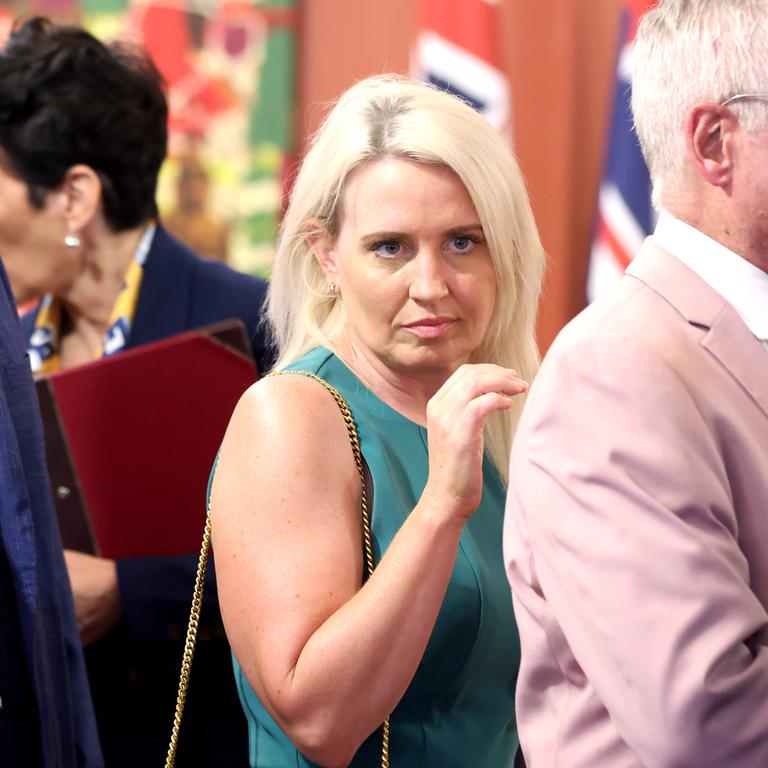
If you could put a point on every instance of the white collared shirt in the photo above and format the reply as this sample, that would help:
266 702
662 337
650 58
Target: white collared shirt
739 282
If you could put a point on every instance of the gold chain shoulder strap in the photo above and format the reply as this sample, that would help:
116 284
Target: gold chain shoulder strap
197 598
191 639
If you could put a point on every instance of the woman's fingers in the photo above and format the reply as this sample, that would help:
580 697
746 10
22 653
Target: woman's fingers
456 416
480 407
470 382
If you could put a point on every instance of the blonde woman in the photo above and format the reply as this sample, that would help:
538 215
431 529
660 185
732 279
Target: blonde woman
407 277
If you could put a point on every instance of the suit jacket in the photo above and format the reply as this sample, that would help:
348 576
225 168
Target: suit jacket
636 536
46 716
180 292
134 670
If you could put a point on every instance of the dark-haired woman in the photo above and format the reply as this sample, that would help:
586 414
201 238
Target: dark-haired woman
82 138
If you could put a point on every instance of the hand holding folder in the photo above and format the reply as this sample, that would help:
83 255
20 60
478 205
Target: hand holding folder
130 440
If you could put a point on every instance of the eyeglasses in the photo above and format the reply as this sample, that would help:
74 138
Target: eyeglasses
744 97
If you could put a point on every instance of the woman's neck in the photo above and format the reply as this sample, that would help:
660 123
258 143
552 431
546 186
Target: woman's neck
90 298
407 394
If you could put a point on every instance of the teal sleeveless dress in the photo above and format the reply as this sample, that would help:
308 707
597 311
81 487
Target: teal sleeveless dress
458 711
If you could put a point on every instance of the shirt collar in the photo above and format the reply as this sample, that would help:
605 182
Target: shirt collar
739 282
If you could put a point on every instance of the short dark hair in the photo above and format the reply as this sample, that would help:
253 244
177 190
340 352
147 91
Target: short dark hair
66 98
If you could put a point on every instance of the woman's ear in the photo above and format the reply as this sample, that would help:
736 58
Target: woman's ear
317 238
81 197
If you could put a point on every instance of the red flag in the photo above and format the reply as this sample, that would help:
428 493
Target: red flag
458 49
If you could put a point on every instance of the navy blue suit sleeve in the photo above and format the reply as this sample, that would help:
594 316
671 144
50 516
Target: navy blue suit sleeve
67 727
156 594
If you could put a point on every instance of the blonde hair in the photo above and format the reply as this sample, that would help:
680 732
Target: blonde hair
391 116
690 52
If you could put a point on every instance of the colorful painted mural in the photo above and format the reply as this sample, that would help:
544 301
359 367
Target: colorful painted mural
229 66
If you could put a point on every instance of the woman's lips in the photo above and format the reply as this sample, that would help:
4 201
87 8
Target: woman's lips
429 327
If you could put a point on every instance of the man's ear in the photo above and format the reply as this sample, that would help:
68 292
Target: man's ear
80 196
318 239
710 131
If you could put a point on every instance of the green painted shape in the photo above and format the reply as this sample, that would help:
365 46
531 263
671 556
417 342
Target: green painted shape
98 7
260 227
271 118
275 3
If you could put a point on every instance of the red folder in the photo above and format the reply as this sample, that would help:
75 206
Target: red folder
130 440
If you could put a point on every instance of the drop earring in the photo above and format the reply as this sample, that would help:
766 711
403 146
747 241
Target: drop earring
332 287
72 241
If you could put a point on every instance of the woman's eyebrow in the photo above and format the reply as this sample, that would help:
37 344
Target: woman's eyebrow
464 229
373 237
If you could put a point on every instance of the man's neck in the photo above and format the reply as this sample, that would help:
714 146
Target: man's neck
715 219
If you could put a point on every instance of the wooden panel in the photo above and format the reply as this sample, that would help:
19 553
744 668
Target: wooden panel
561 61
342 41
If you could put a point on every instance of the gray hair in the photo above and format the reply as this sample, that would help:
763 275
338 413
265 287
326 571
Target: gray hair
690 52
391 116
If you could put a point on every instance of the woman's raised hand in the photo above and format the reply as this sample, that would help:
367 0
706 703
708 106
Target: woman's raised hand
456 415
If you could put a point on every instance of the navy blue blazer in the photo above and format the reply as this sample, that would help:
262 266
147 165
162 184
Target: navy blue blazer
134 670
46 717
180 292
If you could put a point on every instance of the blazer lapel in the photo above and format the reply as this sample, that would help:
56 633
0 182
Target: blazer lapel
742 353
726 337
163 304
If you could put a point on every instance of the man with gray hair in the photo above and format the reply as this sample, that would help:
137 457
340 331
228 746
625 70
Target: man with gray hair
636 536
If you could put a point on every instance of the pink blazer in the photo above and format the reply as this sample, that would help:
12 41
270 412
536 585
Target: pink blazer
636 534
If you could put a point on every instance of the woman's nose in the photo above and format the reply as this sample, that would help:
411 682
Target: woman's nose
428 278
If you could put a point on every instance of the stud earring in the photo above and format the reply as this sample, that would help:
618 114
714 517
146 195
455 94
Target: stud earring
72 241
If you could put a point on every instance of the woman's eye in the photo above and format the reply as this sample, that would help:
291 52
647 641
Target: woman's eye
462 244
388 249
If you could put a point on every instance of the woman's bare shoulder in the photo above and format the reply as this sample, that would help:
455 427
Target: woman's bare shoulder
284 402
286 421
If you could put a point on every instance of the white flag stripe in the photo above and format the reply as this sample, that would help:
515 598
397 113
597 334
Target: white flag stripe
471 75
619 219
604 270
626 59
